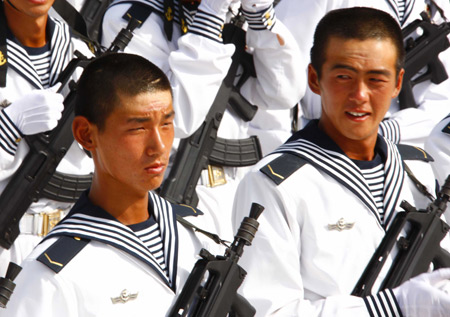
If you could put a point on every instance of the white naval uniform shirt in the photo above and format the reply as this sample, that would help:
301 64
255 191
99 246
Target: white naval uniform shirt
21 79
114 262
297 265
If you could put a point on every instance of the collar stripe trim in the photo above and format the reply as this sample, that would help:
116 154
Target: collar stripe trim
20 62
164 215
336 165
345 171
118 235
126 242
394 174
97 235
61 52
60 46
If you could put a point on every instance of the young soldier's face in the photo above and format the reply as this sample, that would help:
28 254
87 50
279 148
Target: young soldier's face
358 82
131 153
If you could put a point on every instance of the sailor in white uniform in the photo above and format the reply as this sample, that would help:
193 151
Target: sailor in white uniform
410 125
120 251
333 189
31 64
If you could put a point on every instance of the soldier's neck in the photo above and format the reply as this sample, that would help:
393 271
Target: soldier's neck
30 31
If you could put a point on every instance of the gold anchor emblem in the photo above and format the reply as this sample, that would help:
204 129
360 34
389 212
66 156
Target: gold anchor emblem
2 59
169 14
184 27
341 225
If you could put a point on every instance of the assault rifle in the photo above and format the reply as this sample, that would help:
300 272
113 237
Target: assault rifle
29 182
423 52
211 288
204 147
416 250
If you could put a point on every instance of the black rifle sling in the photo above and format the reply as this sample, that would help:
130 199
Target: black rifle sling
420 187
210 235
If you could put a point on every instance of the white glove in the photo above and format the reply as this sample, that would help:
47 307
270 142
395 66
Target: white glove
256 5
425 295
218 8
38 111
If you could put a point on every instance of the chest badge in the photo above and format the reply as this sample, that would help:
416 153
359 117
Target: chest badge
124 297
341 225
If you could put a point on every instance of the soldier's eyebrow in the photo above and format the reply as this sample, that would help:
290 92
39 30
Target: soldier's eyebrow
373 71
170 114
146 119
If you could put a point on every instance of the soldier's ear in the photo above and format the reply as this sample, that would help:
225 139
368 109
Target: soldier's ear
83 132
313 80
399 83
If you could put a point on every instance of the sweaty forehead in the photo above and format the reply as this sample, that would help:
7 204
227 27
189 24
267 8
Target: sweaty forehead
142 105
368 53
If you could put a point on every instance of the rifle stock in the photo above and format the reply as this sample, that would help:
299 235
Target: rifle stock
416 250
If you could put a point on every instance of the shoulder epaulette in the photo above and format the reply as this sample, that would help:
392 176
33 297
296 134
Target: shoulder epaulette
409 152
282 167
186 210
139 11
62 252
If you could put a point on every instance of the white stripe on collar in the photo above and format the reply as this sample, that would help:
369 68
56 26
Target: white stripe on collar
341 168
61 54
114 233
409 5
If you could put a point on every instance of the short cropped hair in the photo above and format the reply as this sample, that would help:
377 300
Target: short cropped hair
112 74
356 23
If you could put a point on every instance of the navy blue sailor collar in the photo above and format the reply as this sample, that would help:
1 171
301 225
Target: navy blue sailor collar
316 147
88 221
60 46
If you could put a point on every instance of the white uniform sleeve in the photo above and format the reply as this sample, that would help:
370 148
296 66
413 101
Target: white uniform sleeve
194 64
280 82
273 284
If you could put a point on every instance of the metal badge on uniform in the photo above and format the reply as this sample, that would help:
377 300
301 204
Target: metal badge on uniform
216 176
124 297
341 225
